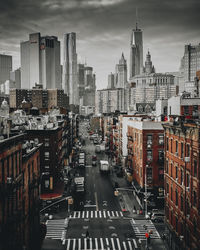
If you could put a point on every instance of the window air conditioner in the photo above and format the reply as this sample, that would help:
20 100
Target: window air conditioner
187 159
9 180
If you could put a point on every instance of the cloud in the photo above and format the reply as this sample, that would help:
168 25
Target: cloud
104 27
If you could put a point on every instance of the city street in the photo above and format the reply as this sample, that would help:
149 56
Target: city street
108 219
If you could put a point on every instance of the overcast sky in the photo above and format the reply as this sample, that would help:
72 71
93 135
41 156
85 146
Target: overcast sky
104 28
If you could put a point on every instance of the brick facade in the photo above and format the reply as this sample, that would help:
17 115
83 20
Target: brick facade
182 184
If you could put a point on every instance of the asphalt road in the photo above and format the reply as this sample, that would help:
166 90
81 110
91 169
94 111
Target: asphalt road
97 211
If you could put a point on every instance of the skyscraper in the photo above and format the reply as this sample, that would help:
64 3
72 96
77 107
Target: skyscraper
136 52
121 73
111 81
40 62
5 67
70 79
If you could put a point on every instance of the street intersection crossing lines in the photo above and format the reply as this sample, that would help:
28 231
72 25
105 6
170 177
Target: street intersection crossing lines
140 227
100 244
55 229
95 214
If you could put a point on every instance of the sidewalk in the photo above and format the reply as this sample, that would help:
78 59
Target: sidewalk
127 200
57 192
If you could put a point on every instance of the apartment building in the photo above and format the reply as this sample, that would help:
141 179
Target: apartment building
182 184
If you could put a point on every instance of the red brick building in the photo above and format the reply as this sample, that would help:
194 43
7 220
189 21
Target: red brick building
19 194
182 184
146 156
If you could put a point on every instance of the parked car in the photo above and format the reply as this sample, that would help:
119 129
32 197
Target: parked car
157 217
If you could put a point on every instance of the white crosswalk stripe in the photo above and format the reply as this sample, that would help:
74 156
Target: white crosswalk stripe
95 214
100 244
55 228
140 227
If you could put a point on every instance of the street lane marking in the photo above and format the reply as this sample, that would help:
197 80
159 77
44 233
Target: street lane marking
101 241
121 214
112 213
79 214
91 243
129 243
87 214
74 244
96 214
135 243
100 214
108 213
68 244
79 244
85 244
118 244
83 214
104 214
107 244
124 245
96 201
96 244
112 242
91 214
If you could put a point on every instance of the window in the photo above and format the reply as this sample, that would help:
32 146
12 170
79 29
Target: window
195 168
149 155
177 147
171 192
149 174
46 142
176 172
194 198
46 155
161 139
149 139
171 145
167 143
186 110
187 207
167 188
161 156
187 180
166 166
181 150
182 201
176 223
182 176
176 197
161 174
188 150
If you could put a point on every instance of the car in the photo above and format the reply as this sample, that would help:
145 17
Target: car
157 217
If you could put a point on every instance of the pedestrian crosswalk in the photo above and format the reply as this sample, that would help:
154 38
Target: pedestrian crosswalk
55 228
95 214
140 227
100 244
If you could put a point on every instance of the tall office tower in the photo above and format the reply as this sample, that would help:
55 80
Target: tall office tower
5 67
40 62
70 79
81 79
136 52
15 76
111 81
191 62
121 73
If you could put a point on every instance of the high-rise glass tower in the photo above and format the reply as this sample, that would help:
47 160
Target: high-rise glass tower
40 62
136 52
70 76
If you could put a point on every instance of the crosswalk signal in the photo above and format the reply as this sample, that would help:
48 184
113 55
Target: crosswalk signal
116 193
70 201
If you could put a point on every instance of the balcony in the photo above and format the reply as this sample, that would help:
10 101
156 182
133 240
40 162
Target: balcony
161 160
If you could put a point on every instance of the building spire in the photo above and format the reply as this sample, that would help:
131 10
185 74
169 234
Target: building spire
136 13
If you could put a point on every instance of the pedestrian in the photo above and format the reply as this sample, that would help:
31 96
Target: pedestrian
87 234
